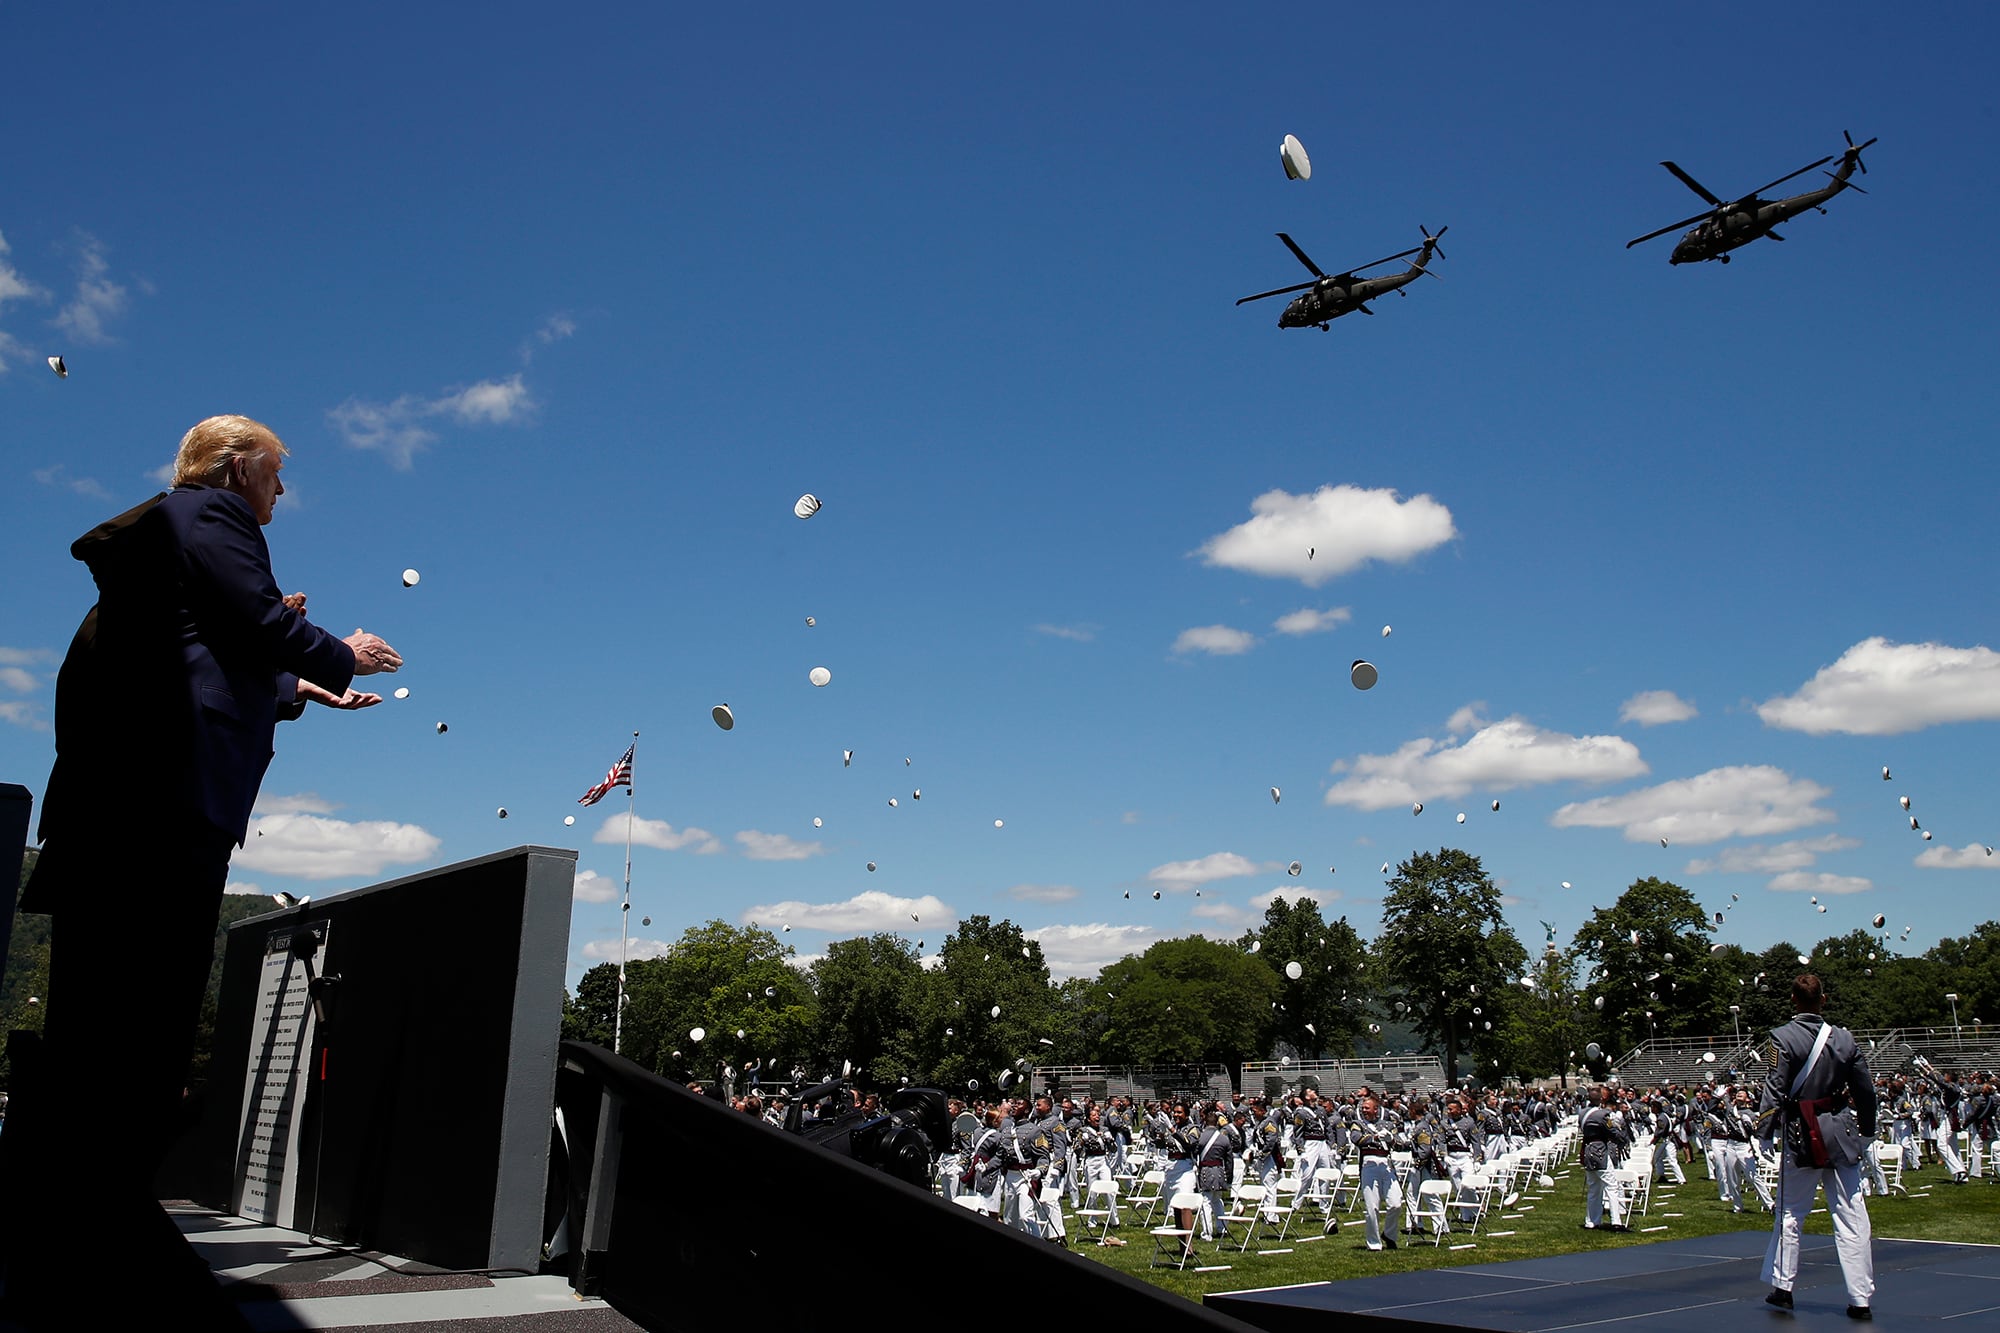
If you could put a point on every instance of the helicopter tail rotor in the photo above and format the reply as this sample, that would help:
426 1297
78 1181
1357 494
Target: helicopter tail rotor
1431 242
1853 153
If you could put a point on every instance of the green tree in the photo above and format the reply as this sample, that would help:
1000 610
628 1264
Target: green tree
1446 949
1649 955
721 979
588 1013
866 993
1549 1023
986 965
1320 1012
1969 965
1189 1000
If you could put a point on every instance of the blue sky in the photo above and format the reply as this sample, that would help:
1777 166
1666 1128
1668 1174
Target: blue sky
565 308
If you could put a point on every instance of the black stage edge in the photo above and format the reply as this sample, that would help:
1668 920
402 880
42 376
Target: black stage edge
1675 1286
685 1214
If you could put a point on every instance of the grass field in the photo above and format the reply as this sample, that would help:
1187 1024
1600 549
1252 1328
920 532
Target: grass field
1548 1222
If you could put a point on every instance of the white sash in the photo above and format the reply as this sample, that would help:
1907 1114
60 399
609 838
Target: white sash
1819 1045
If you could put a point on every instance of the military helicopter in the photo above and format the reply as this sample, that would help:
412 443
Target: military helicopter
1332 297
1737 223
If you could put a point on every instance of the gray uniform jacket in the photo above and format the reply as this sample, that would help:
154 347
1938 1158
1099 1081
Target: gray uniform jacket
1840 1074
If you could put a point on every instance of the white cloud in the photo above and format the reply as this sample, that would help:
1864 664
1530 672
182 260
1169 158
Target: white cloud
242 888
1043 893
1736 802
1972 856
1650 708
592 887
1216 640
1469 718
776 847
1343 528
1497 757
1227 915
1758 859
658 833
489 402
13 287
57 475
17 680
303 803
1129 817
1085 950
1800 881
1879 688
396 428
22 714
25 656
96 299
1176 875
1075 633
1309 621
864 912
606 951
315 847
554 329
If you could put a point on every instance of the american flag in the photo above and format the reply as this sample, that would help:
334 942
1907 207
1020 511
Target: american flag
619 776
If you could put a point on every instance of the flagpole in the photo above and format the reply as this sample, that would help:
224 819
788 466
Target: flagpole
625 912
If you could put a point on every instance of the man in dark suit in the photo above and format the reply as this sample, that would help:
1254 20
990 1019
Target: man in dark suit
1819 1096
165 711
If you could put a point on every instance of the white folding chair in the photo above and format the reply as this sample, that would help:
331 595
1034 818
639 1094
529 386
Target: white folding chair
1429 1204
1151 1191
1244 1202
1176 1243
1890 1157
1102 1201
972 1203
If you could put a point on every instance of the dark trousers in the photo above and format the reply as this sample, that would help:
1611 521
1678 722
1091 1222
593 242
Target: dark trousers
133 938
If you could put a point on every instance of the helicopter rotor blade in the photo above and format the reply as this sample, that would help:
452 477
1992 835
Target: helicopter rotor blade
1849 184
1856 150
1692 183
1386 259
1432 241
1782 179
1280 291
1671 226
1305 259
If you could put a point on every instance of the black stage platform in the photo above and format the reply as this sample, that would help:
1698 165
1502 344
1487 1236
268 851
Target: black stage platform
1675 1286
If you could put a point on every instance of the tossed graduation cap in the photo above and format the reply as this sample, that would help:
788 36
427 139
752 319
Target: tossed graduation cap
1255 945
916 793
770 992
1276 796
1294 869
913 916
697 1034
1363 674
806 505
1310 1028
1461 816
1663 842
871 866
1905 801
1597 1003
1385 867
1298 167
568 820
1565 883
906 761
1805 960
723 717
999 823
402 691
817 821
810 622
819 675
995 1011
1156 895
951 1032
1814 901
442 728
1822 907
503 812
740 1034
892 802
411 578
1593 1052
1927 835
1913 823
846 758
787 929
291 899
1294 970
1718 918
1496 807
1044 1041
1885 772
61 370
1375 1029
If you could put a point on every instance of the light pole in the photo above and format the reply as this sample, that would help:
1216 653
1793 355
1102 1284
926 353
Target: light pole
1953 997
1736 1021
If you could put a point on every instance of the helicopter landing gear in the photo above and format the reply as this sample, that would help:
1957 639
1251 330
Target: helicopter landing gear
1723 258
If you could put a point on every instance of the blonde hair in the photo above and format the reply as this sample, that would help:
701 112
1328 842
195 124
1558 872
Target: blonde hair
206 451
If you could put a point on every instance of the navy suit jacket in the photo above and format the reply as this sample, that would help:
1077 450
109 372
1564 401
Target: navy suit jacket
172 689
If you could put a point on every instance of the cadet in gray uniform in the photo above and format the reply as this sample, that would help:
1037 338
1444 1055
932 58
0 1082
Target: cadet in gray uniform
1377 1133
1819 1096
1602 1131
